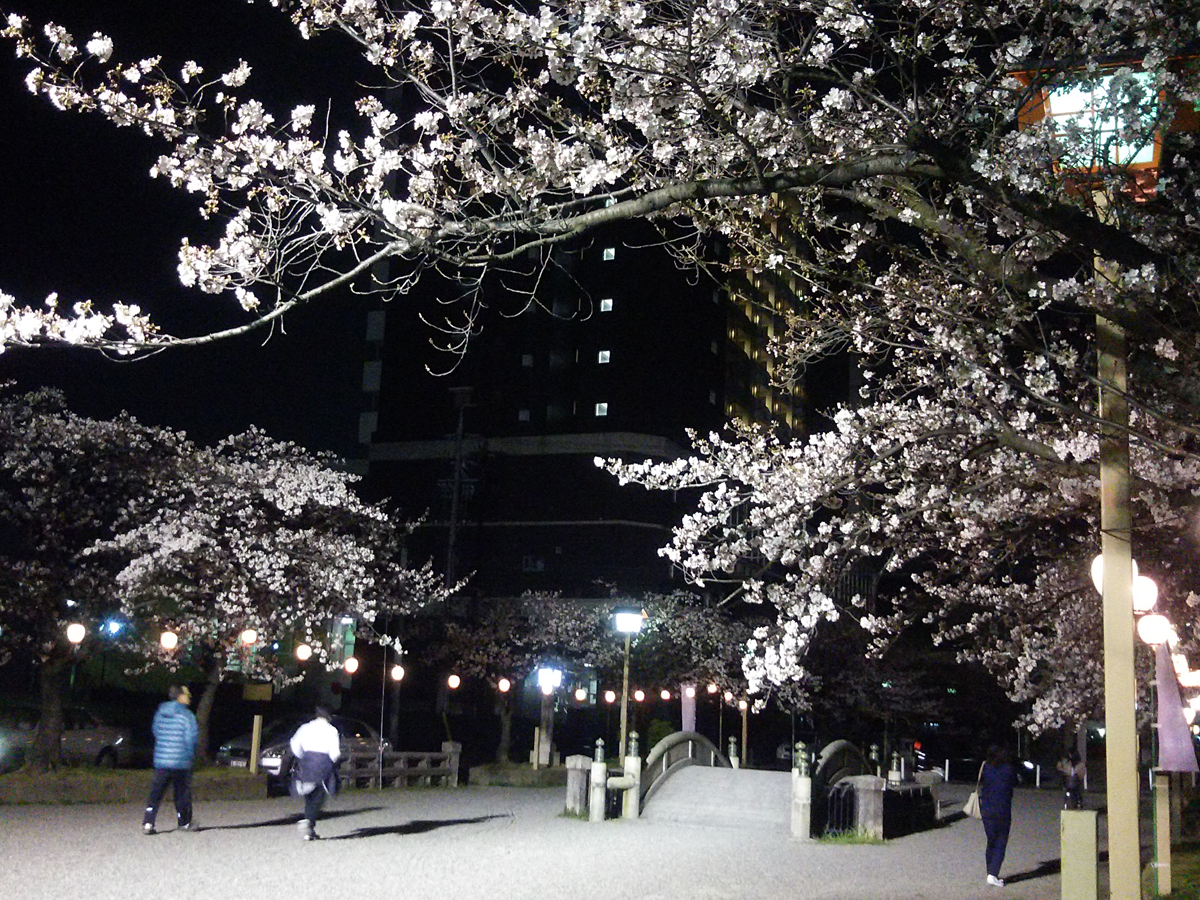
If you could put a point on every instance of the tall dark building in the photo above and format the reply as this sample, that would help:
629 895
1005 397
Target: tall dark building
604 348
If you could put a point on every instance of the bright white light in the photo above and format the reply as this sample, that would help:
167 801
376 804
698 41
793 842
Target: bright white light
453 682
76 633
1154 629
1088 109
689 691
168 640
113 627
248 637
1189 714
712 688
549 677
303 652
610 696
397 673
639 695
580 694
1145 594
743 705
729 696
350 665
504 685
666 695
628 621
1180 662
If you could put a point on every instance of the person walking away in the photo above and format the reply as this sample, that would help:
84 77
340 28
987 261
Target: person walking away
996 782
1073 770
317 749
175 733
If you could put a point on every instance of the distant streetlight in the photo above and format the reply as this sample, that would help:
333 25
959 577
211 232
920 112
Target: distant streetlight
248 637
580 694
168 640
549 679
628 622
610 696
504 685
303 652
397 672
350 665
666 695
76 633
453 682
1154 629
639 695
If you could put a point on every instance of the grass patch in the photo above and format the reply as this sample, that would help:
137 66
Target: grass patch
1185 873
87 784
849 837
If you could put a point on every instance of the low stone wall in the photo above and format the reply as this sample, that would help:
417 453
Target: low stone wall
517 775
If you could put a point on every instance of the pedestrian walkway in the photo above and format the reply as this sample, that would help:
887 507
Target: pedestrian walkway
498 844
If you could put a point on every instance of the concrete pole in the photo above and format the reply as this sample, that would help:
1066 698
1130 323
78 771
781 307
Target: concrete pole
1120 689
624 702
1162 831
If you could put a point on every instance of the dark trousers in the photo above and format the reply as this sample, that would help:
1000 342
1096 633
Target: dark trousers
313 801
181 788
996 829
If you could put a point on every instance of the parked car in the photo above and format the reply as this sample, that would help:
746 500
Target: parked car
275 756
86 740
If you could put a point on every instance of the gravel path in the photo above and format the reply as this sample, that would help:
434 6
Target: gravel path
496 843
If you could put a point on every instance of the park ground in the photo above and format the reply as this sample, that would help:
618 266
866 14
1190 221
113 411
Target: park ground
502 842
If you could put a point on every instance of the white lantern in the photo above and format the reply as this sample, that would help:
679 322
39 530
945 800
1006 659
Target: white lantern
1154 629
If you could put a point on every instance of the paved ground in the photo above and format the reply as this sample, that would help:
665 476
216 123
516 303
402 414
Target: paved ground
496 843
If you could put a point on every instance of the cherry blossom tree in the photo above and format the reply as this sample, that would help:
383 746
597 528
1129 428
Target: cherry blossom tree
879 163
685 639
262 536
498 128
66 482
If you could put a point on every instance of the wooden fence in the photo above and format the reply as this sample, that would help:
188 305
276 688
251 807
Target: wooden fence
403 768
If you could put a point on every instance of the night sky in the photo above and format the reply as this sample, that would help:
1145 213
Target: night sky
80 215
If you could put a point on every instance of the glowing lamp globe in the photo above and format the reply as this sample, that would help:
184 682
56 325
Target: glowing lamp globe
350 665
610 696
639 695
504 685
453 682
580 694
303 652
168 640
248 637
397 673
76 633
712 688
689 692
666 695
1154 629
1145 594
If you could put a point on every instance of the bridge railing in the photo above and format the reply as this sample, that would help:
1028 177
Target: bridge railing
677 751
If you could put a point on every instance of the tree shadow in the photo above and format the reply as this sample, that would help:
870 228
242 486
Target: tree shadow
292 819
417 826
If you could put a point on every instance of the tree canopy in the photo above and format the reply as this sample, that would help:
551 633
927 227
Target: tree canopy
883 166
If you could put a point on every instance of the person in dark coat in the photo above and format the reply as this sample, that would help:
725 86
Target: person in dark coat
997 779
175 732
317 748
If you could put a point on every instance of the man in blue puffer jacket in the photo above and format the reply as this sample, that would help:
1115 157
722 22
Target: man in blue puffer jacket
175 733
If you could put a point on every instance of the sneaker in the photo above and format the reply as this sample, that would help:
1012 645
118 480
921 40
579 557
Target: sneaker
147 828
994 881
190 826
311 836
307 832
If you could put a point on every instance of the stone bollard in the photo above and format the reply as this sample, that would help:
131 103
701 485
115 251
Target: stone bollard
1079 843
801 823
453 749
733 755
631 805
578 767
599 788
876 766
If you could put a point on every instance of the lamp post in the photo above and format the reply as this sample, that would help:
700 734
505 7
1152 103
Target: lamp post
628 622
1155 629
1087 109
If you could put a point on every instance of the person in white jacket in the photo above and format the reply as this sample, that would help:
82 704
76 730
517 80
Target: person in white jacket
317 748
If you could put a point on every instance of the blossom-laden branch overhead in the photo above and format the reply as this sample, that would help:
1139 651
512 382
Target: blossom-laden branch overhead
494 129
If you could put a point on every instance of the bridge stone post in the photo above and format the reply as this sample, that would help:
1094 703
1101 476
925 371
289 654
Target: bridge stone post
631 803
801 821
599 779
733 754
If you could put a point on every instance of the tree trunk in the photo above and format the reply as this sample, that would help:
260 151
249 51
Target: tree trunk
46 751
506 718
203 710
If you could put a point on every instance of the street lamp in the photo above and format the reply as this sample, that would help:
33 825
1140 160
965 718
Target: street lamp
628 622
168 640
76 633
1085 109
